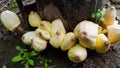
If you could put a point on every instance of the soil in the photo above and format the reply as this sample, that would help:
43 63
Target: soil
9 40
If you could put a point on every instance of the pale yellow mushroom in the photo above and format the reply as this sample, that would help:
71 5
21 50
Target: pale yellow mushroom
105 31
57 25
38 44
102 44
68 41
10 20
110 16
44 34
113 33
77 53
57 39
34 19
86 31
45 25
26 38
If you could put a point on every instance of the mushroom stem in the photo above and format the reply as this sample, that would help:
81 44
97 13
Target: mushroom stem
19 28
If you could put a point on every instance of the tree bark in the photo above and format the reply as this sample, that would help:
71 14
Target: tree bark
71 12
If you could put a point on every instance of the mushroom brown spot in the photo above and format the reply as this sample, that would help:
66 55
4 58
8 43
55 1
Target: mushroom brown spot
42 24
40 33
44 34
107 43
57 33
73 38
77 58
83 34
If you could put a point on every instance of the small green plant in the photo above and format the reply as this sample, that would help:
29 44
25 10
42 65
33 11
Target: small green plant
4 66
13 6
98 16
25 57
45 62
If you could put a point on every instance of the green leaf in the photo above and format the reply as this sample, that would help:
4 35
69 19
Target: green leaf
22 51
97 15
18 48
31 62
45 65
25 50
92 15
13 6
26 55
41 62
98 11
46 60
33 53
50 61
4 66
26 65
17 58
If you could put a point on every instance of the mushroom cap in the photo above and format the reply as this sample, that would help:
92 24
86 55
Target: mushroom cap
10 20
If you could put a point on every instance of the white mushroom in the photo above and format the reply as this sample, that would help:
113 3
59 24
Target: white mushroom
10 20
68 41
26 38
34 19
38 44
86 31
57 25
102 44
57 39
44 34
77 53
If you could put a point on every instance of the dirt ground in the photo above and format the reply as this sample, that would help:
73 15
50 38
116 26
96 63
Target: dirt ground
9 40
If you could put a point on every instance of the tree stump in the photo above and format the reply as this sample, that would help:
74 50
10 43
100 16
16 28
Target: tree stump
71 12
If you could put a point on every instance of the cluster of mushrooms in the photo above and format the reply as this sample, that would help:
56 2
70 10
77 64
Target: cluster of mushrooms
86 34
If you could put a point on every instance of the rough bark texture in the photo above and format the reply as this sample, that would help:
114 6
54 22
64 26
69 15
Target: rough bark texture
70 11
